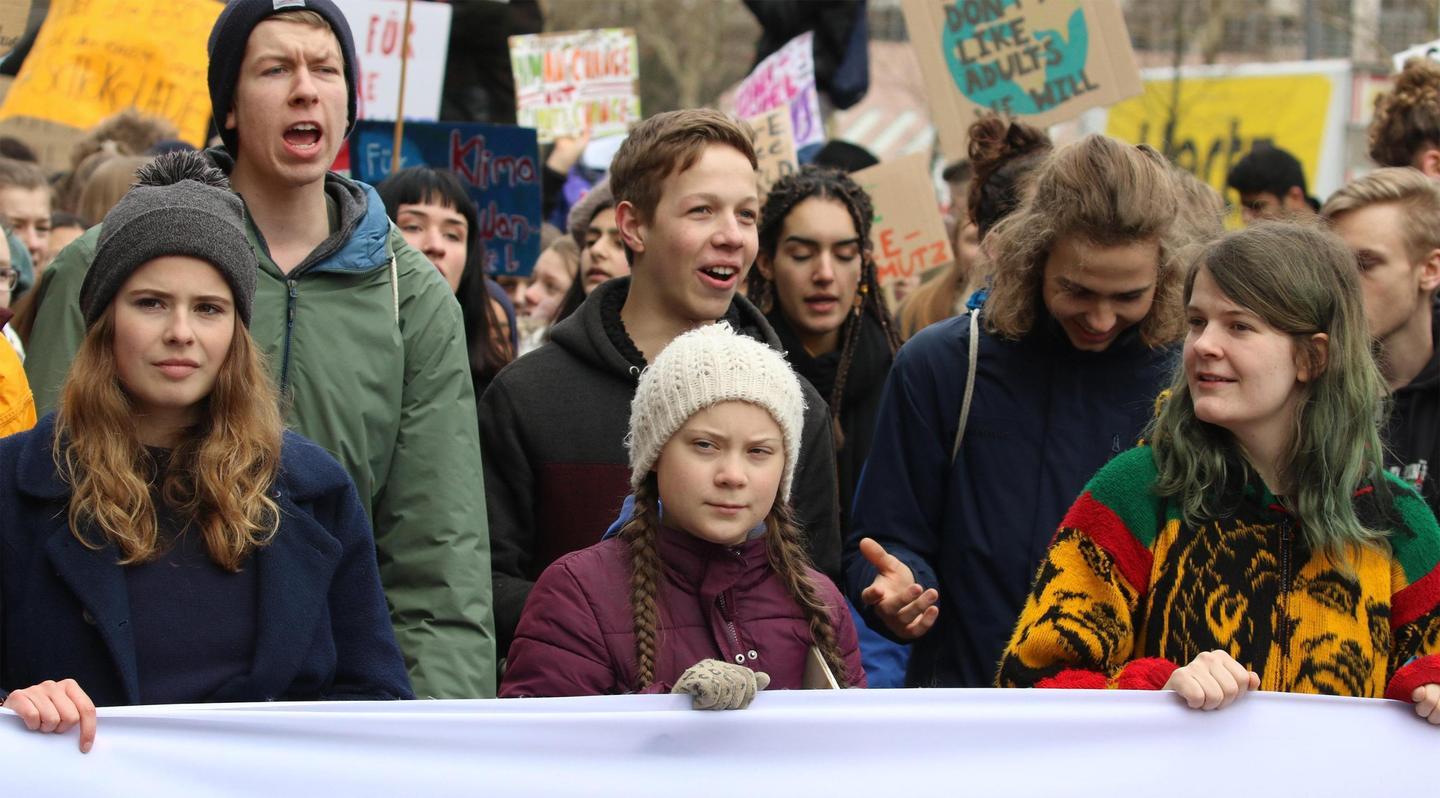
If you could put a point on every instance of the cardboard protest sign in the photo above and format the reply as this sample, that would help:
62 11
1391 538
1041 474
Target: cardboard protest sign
786 79
14 16
376 25
566 82
95 57
774 148
1043 61
1223 111
908 235
499 165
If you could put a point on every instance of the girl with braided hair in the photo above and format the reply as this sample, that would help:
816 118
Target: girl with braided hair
723 600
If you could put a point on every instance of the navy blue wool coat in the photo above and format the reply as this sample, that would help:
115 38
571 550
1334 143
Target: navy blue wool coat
322 627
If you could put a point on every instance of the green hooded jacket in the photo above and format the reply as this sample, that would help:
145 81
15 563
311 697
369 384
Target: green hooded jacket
366 343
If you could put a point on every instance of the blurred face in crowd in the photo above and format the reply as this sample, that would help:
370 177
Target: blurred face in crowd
548 284
719 474
604 254
816 271
967 245
291 103
60 238
27 211
8 276
174 320
702 235
1397 289
1243 374
440 232
1096 292
1260 206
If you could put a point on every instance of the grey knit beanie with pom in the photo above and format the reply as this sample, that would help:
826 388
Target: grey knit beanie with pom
705 367
180 205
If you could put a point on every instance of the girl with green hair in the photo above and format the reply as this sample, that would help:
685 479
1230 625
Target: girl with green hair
1256 541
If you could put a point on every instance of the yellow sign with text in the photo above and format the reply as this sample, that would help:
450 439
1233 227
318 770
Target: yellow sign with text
1219 119
93 58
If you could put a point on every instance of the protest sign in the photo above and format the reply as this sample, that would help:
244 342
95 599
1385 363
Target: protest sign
1043 61
1430 50
566 83
376 25
499 165
93 58
1221 112
786 79
1013 743
908 235
774 147
14 17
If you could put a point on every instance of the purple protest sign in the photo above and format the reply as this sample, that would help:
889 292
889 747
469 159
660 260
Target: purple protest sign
787 77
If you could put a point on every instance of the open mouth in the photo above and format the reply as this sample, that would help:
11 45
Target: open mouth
1211 379
304 136
822 303
720 276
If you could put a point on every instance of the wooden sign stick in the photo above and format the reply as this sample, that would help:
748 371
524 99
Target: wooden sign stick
400 105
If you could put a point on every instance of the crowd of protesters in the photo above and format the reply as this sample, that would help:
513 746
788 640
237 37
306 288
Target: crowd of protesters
245 401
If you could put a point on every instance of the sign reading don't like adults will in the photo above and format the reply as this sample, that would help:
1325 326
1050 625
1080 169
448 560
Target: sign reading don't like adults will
1043 61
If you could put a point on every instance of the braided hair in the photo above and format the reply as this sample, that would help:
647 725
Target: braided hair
784 548
829 184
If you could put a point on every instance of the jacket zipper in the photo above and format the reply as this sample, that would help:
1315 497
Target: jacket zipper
730 626
1284 630
294 295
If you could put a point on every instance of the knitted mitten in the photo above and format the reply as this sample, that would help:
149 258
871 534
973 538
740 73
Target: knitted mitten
713 684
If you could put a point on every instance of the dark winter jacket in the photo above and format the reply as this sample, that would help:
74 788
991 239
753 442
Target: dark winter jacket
577 635
1044 418
322 627
553 427
1412 438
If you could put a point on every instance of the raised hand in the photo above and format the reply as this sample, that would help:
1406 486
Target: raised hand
907 608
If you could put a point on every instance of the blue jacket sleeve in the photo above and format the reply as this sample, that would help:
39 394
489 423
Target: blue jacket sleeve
901 494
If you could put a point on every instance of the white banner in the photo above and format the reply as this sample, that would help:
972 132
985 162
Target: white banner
376 26
872 743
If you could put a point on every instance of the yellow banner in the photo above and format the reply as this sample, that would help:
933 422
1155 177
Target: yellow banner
1219 119
96 57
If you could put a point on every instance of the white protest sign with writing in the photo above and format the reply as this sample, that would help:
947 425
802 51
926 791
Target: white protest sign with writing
566 82
774 147
376 26
786 79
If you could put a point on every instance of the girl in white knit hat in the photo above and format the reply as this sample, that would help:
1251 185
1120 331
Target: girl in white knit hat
707 590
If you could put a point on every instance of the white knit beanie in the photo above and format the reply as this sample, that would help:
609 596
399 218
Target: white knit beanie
705 367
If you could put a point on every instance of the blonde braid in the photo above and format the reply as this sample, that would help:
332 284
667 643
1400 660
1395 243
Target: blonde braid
788 558
639 533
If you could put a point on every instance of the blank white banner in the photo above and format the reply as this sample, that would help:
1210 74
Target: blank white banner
877 743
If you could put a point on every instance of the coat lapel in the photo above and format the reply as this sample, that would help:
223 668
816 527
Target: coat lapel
294 572
96 579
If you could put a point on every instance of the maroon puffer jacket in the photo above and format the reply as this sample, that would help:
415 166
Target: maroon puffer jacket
577 635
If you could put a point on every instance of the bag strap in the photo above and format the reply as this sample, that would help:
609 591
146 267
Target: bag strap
969 384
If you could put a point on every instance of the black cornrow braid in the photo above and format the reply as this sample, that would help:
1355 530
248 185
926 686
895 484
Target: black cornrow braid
827 183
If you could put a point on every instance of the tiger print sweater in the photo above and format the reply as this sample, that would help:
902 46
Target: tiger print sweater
1129 591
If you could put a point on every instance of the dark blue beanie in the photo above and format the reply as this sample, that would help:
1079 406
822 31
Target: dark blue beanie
227 50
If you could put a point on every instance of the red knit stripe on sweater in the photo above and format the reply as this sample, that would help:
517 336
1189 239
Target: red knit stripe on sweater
1413 601
1425 670
1104 527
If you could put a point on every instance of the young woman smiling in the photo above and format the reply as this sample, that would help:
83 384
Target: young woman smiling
1257 541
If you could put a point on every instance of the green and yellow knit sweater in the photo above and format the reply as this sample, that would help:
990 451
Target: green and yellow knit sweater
1129 591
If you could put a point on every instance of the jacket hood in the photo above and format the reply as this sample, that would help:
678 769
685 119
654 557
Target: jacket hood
587 333
360 240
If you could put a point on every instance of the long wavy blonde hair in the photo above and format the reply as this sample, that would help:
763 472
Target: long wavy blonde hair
218 479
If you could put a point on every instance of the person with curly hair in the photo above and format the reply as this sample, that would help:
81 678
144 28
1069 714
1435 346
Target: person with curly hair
166 541
991 422
1256 541
1405 129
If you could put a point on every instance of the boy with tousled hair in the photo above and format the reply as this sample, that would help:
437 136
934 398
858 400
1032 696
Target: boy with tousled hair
554 421
1389 220
363 334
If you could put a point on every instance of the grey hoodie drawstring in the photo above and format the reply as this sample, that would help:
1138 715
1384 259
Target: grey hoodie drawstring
395 287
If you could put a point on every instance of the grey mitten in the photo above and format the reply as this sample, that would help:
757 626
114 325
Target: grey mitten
713 684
